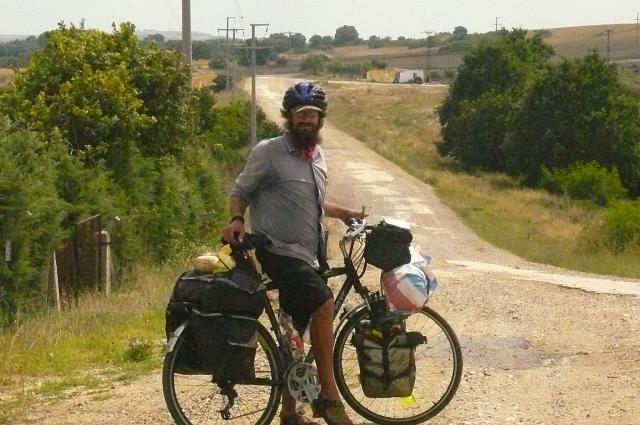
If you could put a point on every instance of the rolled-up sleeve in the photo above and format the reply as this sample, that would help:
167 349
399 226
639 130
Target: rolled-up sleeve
256 173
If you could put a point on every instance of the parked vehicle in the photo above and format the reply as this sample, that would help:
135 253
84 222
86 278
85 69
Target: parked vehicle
381 75
409 76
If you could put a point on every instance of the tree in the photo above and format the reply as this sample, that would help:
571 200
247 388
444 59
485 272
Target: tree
279 42
298 41
315 41
459 33
577 111
499 70
158 38
374 42
346 34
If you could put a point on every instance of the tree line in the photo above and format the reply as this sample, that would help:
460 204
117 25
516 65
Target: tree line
569 126
16 54
100 123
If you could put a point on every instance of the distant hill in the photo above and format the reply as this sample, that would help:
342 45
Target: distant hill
10 37
168 35
175 35
568 42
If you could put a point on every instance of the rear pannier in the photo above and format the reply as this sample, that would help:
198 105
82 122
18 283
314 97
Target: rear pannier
221 313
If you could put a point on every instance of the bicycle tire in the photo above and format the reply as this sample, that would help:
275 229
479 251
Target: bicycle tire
444 359
195 399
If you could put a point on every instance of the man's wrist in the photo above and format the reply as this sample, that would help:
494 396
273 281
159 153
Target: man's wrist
237 217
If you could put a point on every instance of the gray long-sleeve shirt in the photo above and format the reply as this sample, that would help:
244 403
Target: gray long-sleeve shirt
285 195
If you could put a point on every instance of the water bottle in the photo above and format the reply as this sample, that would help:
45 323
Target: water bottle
291 334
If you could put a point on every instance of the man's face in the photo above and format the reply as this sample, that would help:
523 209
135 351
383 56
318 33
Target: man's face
304 127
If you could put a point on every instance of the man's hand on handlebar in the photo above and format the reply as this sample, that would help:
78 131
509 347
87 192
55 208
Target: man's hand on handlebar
352 215
233 232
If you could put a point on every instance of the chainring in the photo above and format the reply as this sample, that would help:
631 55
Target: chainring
302 381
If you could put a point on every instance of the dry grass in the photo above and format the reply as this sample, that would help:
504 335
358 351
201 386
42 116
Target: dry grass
6 75
85 346
577 41
202 76
400 123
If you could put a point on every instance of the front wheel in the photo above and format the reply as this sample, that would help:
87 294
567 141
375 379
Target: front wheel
438 372
196 399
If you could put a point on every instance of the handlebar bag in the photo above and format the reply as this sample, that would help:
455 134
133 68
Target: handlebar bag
386 357
387 246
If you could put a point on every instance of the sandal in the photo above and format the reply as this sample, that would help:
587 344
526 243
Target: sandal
296 418
332 411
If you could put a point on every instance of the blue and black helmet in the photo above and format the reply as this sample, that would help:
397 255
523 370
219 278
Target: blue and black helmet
304 93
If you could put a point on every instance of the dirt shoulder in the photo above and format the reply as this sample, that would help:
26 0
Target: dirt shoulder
534 352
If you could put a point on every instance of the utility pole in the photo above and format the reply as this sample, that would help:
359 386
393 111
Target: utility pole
496 24
186 34
637 26
427 75
289 34
608 50
254 124
225 54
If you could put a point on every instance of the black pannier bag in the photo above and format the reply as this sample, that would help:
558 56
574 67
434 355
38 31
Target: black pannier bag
386 357
220 338
387 246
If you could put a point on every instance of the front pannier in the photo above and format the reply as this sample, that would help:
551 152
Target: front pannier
222 312
386 357
387 246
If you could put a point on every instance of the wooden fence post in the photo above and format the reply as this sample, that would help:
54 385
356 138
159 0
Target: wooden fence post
105 262
54 286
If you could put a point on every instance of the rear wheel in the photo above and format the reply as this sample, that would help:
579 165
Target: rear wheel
438 372
199 400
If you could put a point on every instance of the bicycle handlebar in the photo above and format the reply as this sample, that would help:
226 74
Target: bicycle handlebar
355 227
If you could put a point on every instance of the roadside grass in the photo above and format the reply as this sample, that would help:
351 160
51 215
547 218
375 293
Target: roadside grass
400 123
86 346
631 79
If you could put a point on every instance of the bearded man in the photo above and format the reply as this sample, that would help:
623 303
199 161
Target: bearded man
284 184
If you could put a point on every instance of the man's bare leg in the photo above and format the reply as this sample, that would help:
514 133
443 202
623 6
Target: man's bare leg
322 342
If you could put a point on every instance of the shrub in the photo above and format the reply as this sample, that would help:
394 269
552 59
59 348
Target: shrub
588 181
313 64
621 226
138 350
216 63
220 83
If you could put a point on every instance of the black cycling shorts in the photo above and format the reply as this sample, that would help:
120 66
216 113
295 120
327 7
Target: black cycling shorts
301 288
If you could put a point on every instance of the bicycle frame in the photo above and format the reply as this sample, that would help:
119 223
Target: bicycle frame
352 280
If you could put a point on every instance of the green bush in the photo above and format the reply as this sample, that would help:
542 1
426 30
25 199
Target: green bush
313 64
138 350
115 130
220 82
621 227
30 211
589 181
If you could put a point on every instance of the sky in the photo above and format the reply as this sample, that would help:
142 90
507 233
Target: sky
409 18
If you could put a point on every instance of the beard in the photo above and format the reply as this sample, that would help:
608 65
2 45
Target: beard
304 138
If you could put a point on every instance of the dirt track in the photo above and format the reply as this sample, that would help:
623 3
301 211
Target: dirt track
535 352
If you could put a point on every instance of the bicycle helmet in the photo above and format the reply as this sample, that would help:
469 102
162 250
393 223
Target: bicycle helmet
304 95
